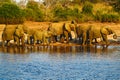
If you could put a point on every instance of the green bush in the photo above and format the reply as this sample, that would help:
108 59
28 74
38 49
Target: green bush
107 17
11 14
36 13
63 14
29 14
87 8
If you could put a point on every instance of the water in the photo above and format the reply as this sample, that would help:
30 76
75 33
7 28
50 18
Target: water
60 63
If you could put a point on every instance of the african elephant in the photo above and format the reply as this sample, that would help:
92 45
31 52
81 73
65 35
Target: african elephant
62 30
42 36
12 32
29 33
101 32
82 33
19 36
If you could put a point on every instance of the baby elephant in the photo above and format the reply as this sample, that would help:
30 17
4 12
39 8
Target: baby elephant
42 36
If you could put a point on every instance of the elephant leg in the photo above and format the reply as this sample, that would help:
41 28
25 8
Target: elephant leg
84 38
96 40
90 38
22 40
66 36
55 38
62 38
104 36
31 40
8 43
3 43
35 39
69 34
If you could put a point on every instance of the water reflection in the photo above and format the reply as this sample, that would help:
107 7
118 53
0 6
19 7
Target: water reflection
58 49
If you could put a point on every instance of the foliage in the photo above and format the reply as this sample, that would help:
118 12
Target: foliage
107 17
37 13
9 1
11 14
59 10
116 5
87 8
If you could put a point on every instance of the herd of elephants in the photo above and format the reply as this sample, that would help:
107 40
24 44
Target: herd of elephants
56 32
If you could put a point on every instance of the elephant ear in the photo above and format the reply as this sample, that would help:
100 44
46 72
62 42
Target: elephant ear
67 27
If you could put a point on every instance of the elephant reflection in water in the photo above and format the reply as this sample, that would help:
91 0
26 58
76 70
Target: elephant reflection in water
13 50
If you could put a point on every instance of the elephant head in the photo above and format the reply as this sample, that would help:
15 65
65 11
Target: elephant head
107 31
100 32
19 36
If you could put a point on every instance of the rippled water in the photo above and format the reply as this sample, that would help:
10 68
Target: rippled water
60 63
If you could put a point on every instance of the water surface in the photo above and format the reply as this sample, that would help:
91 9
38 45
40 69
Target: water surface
60 63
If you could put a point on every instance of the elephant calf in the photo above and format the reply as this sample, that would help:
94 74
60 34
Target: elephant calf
42 36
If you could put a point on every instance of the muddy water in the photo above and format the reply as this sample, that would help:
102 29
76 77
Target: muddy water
60 63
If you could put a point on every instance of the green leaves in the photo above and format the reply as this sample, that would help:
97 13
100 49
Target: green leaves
11 14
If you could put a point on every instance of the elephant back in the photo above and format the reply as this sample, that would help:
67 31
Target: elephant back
56 28
9 31
95 31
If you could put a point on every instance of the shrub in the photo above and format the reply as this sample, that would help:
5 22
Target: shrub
37 13
87 8
107 17
11 14
29 14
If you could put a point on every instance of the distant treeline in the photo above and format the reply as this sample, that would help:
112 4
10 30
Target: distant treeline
60 10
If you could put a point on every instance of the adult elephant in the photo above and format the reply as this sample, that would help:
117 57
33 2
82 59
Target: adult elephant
63 31
13 32
30 33
101 32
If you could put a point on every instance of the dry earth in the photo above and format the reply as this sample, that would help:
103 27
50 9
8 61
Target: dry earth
44 26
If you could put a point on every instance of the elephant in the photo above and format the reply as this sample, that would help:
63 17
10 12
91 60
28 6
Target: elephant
90 32
29 32
13 32
19 36
42 36
62 30
82 33
101 32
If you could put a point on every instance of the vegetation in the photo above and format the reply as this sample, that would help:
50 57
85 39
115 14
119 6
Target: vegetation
12 12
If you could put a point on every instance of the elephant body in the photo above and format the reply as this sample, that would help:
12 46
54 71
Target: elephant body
42 36
82 32
12 32
100 32
63 30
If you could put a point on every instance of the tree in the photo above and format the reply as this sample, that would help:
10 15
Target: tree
11 14
37 12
